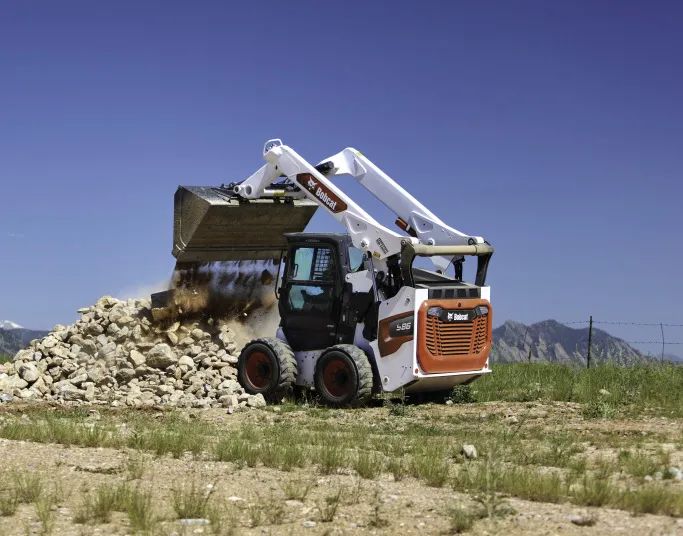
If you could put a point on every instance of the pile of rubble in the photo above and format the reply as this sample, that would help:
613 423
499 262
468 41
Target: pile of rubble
116 354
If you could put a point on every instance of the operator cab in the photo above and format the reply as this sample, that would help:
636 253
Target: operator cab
318 308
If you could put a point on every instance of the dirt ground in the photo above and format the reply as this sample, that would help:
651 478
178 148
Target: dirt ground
253 499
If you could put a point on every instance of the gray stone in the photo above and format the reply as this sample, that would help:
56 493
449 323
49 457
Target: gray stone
29 372
10 383
68 391
256 401
186 361
136 358
675 473
124 375
469 452
161 356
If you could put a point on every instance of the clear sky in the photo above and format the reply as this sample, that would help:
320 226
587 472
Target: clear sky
554 129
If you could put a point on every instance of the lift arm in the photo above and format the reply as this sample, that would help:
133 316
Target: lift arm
412 216
366 233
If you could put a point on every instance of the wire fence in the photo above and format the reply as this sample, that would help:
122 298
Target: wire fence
665 342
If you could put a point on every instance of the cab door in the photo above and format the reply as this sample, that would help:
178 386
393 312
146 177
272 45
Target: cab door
309 297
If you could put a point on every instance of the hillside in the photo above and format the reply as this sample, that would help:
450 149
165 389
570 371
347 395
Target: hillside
13 340
551 341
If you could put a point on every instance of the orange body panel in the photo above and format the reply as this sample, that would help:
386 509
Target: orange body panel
453 346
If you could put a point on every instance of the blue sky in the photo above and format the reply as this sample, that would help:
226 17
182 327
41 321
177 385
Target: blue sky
554 129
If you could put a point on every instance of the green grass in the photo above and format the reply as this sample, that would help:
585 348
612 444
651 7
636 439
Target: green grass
192 501
4 358
636 389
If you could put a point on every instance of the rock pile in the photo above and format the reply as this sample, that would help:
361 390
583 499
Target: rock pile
116 355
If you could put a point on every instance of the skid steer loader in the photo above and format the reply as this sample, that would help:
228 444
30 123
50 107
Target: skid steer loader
357 315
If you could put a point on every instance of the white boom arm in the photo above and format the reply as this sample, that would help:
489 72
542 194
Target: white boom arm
366 233
413 216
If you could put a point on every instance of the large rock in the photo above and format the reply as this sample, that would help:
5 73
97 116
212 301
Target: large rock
29 372
161 356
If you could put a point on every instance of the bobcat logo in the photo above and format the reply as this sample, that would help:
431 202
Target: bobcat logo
454 317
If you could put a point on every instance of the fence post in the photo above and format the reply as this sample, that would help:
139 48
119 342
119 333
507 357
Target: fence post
661 327
590 337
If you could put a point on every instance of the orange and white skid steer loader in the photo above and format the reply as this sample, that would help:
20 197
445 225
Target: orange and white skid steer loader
357 315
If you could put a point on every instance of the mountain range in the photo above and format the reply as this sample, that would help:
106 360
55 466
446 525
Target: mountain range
513 342
14 339
552 341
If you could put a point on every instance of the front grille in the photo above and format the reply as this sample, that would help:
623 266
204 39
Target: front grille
455 338
454 292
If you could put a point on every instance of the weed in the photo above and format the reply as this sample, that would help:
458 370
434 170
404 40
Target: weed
599 409
45 513
461 520
328 507
28 486
8 502
97 507
332 458
296 488
191 502
462 394
376 519
140 511
594 491
653 499
430 466
222 520
397 467
135 467
368 464
236 450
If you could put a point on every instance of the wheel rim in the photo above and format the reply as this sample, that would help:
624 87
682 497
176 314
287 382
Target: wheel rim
259 369
338 378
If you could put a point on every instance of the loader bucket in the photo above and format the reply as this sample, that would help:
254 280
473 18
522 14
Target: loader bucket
210 225
227 252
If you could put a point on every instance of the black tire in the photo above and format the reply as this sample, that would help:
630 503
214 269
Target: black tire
267 366
343 376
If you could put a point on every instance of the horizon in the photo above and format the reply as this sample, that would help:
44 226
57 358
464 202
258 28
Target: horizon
554 131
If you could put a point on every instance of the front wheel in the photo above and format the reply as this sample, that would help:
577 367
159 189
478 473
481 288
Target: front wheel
343 376
267 366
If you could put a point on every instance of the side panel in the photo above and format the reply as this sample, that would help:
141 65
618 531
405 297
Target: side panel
394 348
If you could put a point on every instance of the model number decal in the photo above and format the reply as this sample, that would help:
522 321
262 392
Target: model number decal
401 327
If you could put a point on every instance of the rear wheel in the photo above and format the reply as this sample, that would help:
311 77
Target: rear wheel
267 366
343 376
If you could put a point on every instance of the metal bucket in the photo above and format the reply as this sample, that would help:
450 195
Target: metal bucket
227 250
211 225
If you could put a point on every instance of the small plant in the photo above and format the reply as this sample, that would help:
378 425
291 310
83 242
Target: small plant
8 502
46 514
296 488
432 467
368 465
332 458
328 507
653 499
599 409
397 467
462 394
236 450
460 519
140 511
191 502
222 520
135 467
594 491
376 519
28 486
97 507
